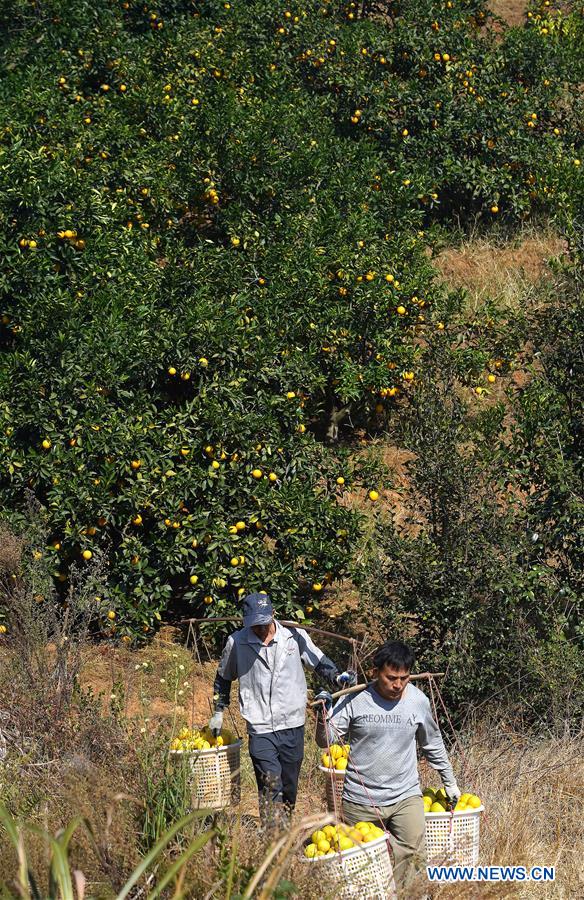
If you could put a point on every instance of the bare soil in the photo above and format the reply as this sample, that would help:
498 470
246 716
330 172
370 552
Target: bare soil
511 11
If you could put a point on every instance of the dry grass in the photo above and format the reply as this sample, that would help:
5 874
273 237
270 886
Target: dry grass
532 787
88 760
10 552
506 274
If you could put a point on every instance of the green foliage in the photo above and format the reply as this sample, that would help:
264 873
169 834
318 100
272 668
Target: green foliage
167 794
214 232
66 883
476 125
445 569
546 453
485 570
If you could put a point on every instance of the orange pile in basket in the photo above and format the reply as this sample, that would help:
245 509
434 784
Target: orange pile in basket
195 739
435 801
337 758
335 838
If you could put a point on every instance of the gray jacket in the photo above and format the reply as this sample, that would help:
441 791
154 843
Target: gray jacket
272 685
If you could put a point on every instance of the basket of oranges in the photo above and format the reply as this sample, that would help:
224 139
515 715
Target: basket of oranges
354 859
452 835
214 765
334 764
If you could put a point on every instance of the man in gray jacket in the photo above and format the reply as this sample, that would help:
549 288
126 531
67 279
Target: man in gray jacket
385 724
268 660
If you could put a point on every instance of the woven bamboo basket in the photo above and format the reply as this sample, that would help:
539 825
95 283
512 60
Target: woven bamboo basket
363 872
334 783
454 837
214 775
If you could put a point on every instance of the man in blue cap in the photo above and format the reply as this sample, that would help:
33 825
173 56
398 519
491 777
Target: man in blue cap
267 658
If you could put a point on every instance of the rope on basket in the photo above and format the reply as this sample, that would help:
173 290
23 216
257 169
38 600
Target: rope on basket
465 768
328 747
434 686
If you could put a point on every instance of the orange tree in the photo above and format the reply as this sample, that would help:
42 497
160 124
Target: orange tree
208 266
479 126
544 460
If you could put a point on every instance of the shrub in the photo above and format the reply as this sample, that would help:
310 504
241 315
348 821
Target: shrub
483 572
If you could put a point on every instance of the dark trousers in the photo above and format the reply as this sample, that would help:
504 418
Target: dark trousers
277 758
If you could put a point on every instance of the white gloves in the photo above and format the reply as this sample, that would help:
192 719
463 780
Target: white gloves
216 722
346 679
326 698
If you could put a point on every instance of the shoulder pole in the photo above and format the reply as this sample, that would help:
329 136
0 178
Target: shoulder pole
422 676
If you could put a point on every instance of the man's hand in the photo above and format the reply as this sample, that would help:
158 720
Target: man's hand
346 679
324 698
452 793
216 723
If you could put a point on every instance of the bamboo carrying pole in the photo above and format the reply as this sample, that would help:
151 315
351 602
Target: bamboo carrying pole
422 676
333 634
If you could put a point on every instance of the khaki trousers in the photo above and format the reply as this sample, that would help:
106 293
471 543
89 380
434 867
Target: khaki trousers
406 825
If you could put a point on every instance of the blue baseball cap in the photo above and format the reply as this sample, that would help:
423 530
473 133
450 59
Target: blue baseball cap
257 610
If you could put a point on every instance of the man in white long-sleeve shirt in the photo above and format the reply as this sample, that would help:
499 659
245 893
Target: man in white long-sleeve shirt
384 724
